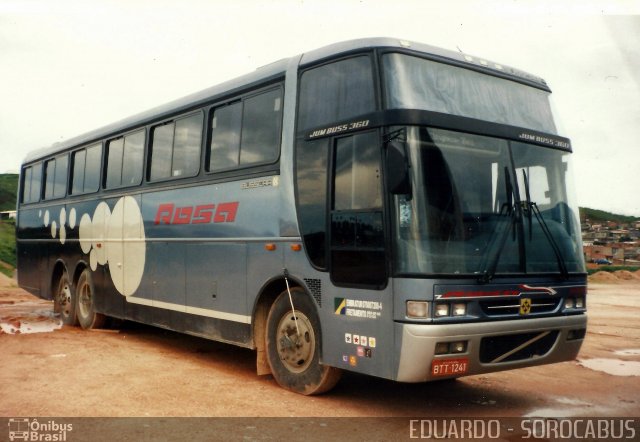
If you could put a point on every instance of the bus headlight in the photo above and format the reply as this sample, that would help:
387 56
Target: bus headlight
569 303
417 309
459 309
579 302
441 310
459 347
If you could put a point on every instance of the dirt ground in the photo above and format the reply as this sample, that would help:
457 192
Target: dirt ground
141 371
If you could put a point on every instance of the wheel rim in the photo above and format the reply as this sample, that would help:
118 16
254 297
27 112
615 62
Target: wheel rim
64 298
84 299
296 350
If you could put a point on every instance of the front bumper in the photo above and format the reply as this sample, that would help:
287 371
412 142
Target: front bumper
417 351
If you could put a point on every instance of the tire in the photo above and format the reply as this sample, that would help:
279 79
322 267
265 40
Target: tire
64 300
295 361
85 308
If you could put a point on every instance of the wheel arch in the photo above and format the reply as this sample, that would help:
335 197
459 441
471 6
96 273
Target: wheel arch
265 299
80 267
59 267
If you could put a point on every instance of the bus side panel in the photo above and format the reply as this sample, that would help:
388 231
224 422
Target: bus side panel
357 324
217 276
31 255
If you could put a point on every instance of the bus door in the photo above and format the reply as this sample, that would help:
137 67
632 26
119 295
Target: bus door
357 251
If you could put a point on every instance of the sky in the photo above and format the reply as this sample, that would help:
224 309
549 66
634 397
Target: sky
68 67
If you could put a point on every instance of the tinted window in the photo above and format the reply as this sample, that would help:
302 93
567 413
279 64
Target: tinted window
186 146
175 149
357 173
311 176
114 163
55 177
161 151
335 92
77 175
246 132
60 180
31 183
49 173
225 137
26 185
132 162
357 233
261 128
36 182
85 173
124 160
92 168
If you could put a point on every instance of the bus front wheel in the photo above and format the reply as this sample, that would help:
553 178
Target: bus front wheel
87 315
293 346
64 302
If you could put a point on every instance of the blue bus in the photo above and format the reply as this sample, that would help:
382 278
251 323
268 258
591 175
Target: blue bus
378 206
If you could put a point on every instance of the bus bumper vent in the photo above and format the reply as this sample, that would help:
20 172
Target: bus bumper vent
315 287
509 348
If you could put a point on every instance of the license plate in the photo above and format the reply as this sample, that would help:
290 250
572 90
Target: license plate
449 367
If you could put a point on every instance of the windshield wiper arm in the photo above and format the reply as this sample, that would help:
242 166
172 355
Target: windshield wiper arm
490 270
532 207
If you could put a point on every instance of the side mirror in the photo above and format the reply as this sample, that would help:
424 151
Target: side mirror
398 182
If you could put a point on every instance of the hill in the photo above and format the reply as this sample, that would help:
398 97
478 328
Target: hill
594 215
8 191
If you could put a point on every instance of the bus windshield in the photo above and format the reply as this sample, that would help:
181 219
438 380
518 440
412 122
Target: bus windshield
485 206
417 83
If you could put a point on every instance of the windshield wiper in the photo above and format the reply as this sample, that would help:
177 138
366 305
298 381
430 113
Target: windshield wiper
501 236
532 208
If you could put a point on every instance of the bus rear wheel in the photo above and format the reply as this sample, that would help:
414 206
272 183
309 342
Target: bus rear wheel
87 315
64 302
293 346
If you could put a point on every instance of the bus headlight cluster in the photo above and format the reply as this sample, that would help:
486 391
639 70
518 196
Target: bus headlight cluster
445 348
578 302
418 309
443 309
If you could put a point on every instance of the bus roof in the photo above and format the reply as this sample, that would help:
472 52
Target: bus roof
276 70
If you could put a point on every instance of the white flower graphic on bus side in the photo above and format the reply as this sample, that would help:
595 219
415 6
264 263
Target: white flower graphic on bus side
110 237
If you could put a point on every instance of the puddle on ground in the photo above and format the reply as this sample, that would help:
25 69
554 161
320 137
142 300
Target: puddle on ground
28 317
629 352
569 408
615 367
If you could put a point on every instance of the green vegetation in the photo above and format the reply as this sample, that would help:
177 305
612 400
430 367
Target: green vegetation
8 191
611 269
7 246
594 215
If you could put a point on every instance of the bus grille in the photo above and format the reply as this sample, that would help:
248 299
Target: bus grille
508 348
507 307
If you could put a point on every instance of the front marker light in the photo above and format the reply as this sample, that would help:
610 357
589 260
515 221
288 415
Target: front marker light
459 309
417 309
441 310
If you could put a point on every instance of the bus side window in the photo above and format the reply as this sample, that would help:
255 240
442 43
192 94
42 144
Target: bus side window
55 171
225 137
261 120
246 132
49 174
124 160
85 169
26 185
175 148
